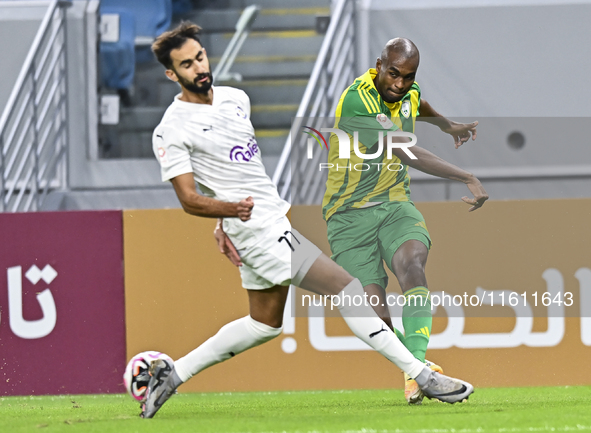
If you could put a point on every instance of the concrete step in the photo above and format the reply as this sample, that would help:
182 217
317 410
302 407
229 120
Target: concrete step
272 91
271 141
273 115
273 4
216 20
140 118
117 142
151 87
269 67
299 17
267 43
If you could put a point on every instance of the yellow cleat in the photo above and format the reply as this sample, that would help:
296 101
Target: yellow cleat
412 392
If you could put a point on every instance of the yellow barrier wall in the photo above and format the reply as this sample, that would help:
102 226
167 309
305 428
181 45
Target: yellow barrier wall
180 290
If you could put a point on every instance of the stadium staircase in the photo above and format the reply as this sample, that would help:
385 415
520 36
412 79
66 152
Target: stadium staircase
275 63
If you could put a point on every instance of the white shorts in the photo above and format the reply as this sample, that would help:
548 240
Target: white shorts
280 256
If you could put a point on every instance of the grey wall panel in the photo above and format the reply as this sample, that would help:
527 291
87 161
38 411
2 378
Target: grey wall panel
16 37
549 142
438 4
514 66
507 189
497 60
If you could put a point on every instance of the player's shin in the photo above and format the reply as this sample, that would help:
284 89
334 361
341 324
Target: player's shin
375 291
400 335
367 326
417 320
231 339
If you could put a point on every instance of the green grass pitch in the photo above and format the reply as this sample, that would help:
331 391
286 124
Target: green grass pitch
503 410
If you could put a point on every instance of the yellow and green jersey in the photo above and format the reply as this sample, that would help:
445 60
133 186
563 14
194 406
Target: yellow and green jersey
357 182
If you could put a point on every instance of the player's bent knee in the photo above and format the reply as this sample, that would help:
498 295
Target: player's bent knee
413 275
325 277
262 332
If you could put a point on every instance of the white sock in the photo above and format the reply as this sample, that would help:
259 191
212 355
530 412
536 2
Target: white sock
231 339
366 325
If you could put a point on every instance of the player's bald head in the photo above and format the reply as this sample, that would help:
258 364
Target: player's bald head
396 69
400 48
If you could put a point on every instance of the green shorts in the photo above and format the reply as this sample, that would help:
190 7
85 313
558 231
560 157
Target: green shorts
362 239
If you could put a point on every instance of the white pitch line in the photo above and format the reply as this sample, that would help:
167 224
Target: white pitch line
567 428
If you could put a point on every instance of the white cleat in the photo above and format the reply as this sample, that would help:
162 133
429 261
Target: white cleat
412 391
443 388
160 387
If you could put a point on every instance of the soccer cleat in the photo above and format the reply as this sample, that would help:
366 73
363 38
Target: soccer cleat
412 392
443 388
160 387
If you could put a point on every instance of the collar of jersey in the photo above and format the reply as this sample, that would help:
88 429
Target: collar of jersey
368 78
196 106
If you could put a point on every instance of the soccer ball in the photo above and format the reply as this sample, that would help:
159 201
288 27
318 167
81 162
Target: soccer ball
137 376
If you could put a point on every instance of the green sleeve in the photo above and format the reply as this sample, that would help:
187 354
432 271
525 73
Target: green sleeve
415 86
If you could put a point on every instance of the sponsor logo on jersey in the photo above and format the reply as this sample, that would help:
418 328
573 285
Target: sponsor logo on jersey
384 121
240 112
244 154
162 155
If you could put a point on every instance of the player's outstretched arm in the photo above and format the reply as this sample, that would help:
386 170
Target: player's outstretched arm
198 205
461 132
225 244
430 163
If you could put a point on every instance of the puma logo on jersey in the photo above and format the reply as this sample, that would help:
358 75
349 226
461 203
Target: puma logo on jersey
244 154
284 238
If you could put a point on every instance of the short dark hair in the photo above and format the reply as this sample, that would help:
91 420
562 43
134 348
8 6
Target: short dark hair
174 39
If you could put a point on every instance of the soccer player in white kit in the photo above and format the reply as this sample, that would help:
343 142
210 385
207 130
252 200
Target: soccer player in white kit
206 137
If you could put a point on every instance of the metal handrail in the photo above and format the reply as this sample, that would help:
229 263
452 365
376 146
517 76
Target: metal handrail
243 27
332 71
33 124
28 60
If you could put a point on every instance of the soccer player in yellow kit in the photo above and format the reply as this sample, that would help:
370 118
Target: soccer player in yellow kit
370 216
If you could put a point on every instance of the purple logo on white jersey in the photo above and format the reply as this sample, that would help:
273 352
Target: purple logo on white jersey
240 112
242 154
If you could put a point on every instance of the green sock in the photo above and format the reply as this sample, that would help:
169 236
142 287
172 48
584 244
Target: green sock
416 318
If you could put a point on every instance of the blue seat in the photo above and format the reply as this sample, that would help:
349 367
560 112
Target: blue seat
152 17
117 59
180 7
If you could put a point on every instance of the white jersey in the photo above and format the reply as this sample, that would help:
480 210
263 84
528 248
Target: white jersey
217 144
